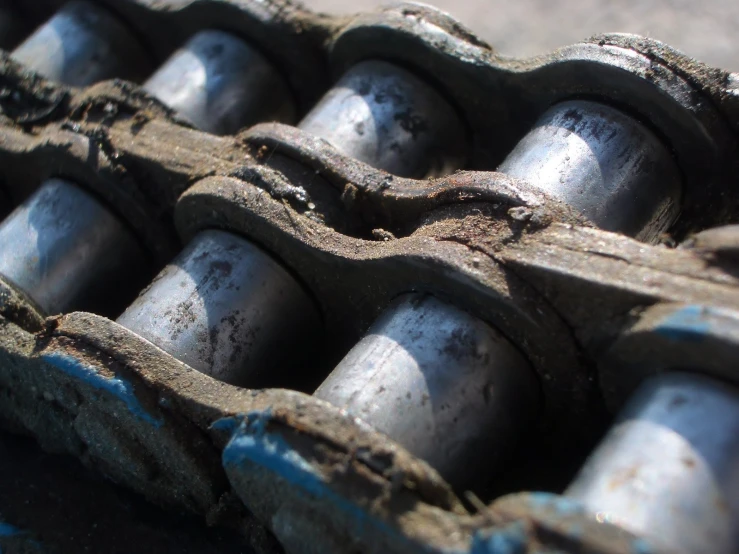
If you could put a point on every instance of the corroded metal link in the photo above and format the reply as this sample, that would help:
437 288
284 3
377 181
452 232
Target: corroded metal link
457 330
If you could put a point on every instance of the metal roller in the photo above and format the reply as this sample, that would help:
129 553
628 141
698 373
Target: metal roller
221 84
47 249
82 44
226 308
669 467
604 164
440 382
386 117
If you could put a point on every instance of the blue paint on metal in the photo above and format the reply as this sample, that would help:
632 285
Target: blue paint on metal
115 386
269 450
561 505
511 539
575 531
641 546
7 530
686 324
254 444
228 425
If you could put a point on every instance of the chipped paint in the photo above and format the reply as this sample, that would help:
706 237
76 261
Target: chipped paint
254 444
7 530
560 505
228 425
641 546
116 386
512 539
686 324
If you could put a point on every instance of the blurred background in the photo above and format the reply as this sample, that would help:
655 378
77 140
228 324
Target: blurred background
705 29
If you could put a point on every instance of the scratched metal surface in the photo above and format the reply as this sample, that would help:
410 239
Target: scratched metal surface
705 29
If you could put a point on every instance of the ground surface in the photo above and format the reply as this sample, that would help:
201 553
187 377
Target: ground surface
706 29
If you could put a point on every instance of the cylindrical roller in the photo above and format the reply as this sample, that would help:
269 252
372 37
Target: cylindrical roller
49 253
386 117
81 45
11 27
604 164
445 385
226 308
221 84
669 468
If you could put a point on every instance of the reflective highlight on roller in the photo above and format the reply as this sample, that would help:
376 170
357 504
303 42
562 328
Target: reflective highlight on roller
439 381
82 44
49 253
221 84
385 116
669 467
227 309
604 164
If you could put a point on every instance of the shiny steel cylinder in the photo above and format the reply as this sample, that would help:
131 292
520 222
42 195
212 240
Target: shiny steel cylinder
388 118
445 385
81 45
63 248
669 467
226 308
604 164
221 84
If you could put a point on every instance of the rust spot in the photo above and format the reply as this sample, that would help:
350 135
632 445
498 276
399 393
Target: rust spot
623 477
